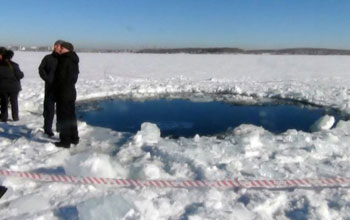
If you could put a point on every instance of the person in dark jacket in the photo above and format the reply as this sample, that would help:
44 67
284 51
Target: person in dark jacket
10 85
47 70
3 190
66 76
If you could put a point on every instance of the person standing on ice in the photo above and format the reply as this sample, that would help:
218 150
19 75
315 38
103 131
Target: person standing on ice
47 70
66 76
10 85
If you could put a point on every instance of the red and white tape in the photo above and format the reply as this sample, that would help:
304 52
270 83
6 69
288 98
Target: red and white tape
222 184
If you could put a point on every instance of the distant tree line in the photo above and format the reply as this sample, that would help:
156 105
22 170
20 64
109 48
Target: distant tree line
291 51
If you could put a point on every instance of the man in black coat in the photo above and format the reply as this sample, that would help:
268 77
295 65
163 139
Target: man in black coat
10 85
47 70
66 76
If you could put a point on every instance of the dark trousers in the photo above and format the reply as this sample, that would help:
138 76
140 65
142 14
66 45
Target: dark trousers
13 98
67 121
49 110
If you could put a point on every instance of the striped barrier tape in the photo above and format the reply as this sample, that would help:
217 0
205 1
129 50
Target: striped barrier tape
221 184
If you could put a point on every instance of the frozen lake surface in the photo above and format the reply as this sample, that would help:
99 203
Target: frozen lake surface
248 152
185 118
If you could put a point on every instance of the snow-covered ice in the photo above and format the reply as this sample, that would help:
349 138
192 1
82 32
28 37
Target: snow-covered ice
246 152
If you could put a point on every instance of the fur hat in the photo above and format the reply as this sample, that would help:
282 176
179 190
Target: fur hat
9 54
2 50
59 42
68 46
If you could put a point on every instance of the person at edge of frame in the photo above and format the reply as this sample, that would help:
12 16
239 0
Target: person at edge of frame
3 190
10 84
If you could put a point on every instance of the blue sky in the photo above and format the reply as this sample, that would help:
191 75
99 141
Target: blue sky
115 24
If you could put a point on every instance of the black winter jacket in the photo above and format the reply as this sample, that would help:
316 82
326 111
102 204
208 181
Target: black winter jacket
10 76
47 69
66 76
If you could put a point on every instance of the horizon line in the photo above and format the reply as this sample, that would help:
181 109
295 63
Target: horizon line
34 47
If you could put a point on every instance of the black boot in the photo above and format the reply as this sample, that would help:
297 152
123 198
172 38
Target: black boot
49 133
63 144
75 141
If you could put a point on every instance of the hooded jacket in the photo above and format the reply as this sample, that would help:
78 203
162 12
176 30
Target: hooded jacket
66 75
10 76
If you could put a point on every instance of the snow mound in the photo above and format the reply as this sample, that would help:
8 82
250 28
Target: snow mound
324 123
96 165
149 134
107 208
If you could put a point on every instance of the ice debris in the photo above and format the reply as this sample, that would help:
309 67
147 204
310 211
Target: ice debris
324 123
149 134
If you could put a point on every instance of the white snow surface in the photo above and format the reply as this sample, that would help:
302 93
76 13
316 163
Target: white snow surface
248 152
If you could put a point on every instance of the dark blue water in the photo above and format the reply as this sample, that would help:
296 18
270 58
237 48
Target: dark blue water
185 118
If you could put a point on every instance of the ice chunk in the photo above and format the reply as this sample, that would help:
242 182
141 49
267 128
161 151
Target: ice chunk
249 138
108 208
269 207
324 123
149 134
97 165
214 199
151 170
343 125
30 204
